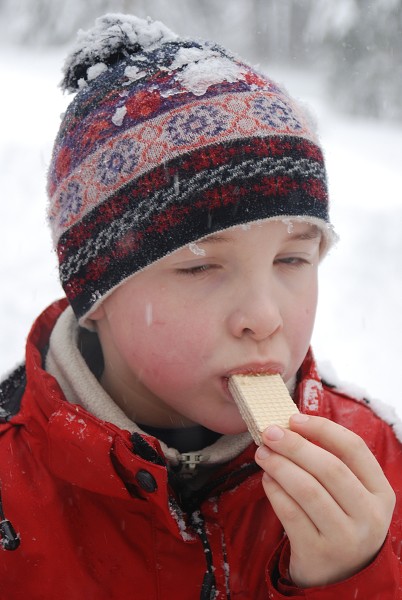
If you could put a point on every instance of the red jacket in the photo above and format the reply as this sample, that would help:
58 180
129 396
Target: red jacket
98 520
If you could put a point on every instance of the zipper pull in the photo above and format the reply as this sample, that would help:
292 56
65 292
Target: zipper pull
189 462
9 539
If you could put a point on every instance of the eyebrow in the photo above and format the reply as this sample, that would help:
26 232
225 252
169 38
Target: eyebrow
214 238
312 233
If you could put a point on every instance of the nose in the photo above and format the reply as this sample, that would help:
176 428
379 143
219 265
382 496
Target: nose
256 313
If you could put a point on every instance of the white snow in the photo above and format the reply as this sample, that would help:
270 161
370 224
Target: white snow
197 77
95 70
148 314
203 67
359 321
133 73
176 513
196 249
82 84
119 115
311 394
185 56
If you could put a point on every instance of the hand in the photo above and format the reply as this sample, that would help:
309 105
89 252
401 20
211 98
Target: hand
333 499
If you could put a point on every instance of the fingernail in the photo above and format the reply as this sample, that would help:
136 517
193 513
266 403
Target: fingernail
299 418
262 452
274 433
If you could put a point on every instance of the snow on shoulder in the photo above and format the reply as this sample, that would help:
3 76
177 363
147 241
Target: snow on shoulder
112 36
385 411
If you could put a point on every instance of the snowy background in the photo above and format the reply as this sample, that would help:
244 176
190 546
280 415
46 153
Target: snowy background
358 335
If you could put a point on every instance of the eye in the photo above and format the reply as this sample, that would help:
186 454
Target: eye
197 270
293 261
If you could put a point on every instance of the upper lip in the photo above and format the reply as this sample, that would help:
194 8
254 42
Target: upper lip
269 368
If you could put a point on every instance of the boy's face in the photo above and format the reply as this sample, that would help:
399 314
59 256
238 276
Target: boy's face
239 301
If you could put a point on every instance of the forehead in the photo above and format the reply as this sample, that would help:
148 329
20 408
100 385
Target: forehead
290 230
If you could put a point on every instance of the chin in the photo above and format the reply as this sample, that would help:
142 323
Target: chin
228 428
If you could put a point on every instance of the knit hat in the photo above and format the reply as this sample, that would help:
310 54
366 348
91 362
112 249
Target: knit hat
166 141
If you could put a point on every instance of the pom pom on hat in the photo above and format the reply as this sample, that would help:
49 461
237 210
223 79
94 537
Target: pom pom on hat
166 141
114 37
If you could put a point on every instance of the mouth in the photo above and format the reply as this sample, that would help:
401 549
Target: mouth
257 369
252 369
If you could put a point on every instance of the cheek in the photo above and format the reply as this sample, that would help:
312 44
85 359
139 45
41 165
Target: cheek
309 311
171 344
301 317
308 322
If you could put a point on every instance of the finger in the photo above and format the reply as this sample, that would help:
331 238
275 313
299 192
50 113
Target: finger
295 521
347 446
325 469
306 491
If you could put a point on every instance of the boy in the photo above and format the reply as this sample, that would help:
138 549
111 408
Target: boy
189 209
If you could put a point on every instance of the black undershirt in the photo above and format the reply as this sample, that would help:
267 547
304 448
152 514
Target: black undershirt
184 439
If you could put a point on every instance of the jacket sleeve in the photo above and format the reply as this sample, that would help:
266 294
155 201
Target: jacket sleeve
382 578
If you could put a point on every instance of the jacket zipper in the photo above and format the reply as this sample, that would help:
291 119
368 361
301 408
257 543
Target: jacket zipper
208 588
191 504
189 462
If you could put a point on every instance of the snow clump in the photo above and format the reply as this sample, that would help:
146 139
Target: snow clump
203 68
133 73
119 115
95 70
113 35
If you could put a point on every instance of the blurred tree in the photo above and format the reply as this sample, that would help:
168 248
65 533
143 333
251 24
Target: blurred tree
360 46
55 22
357 44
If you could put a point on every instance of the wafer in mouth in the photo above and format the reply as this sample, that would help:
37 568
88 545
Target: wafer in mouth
262 400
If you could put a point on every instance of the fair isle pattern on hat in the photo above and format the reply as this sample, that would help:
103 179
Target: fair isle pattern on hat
166 141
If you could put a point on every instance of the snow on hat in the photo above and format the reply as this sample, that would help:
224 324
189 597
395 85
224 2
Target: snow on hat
166 141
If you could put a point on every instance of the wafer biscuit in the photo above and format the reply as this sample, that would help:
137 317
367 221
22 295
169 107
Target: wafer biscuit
262 400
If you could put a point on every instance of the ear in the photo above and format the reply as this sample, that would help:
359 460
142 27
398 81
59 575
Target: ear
97 314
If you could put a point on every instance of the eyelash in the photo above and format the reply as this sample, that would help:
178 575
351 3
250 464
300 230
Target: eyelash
293 261
197 270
